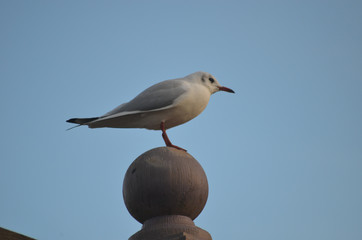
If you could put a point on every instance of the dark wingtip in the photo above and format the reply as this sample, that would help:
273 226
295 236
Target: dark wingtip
72 120
81 121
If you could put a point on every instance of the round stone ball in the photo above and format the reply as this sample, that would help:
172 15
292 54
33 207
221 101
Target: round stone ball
165 181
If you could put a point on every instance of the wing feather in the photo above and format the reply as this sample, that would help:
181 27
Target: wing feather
156 97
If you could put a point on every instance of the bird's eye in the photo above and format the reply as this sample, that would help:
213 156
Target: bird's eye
211 80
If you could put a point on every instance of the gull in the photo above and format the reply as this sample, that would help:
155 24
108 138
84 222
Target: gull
162 106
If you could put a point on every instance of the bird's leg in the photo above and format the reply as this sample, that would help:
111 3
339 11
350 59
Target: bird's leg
167 140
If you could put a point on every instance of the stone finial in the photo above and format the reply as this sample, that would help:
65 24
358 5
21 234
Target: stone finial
165 189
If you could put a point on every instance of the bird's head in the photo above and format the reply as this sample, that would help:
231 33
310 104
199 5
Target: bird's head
209 82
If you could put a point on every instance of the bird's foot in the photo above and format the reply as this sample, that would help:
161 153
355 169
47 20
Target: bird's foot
169 144
174 146
167 140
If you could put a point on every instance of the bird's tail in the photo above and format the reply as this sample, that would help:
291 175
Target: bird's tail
80 121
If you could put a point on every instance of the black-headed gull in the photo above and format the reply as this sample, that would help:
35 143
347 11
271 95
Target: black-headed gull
162 106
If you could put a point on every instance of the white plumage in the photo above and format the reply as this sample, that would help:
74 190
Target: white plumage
162 106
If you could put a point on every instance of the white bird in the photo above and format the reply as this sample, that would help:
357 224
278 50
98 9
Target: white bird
162 106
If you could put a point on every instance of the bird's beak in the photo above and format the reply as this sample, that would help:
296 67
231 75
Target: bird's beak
225 89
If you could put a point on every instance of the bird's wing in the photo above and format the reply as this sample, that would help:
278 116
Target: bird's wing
157 97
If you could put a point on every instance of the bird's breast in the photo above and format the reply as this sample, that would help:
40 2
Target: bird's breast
188 106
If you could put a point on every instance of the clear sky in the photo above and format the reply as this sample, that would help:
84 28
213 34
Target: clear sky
283 155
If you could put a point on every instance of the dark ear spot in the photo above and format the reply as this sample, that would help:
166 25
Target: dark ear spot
203 79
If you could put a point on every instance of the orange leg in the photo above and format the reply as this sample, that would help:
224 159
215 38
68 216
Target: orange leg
167 140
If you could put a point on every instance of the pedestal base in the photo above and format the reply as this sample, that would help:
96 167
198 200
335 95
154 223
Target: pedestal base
171 227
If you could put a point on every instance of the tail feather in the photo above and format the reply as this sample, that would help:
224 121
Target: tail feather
74 127
80 121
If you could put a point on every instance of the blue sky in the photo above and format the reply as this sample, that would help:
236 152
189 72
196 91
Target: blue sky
283 155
